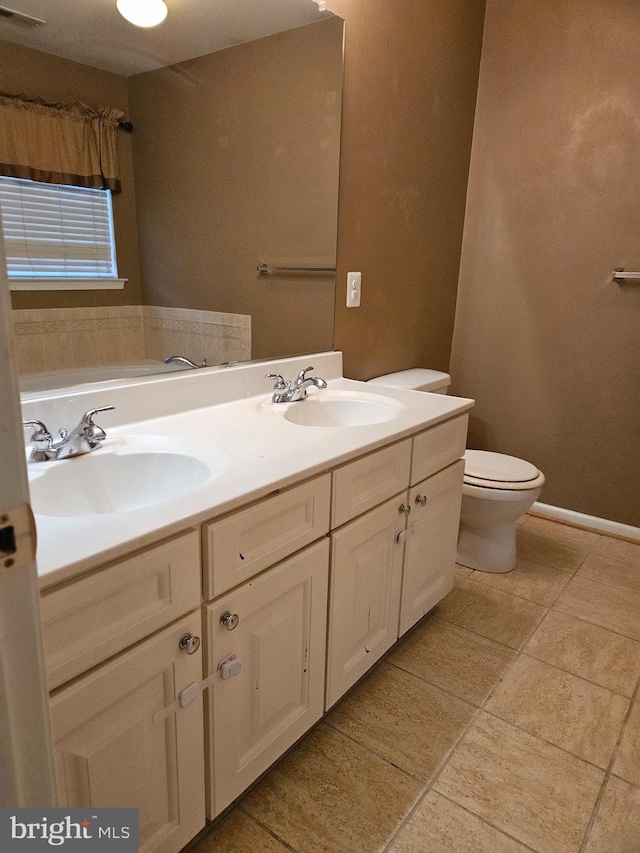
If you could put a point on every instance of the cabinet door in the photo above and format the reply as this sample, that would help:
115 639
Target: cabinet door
255 715
430 551
109 750
366 571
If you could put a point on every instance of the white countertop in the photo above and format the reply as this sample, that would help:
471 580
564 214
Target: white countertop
252 448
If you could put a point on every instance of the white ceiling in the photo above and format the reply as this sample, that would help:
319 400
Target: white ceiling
94 33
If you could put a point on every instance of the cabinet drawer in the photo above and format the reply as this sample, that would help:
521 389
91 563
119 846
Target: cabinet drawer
365 483
90 619
438 447
246 542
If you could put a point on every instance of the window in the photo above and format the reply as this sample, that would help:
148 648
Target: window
57 237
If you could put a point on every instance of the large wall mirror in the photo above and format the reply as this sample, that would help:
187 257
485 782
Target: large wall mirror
232 163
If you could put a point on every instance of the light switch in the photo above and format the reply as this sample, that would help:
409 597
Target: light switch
354 287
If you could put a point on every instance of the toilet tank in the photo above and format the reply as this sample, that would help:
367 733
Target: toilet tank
416 379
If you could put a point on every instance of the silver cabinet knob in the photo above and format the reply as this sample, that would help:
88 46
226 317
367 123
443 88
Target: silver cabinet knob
400 537
421 500
229 620
405 508
189 643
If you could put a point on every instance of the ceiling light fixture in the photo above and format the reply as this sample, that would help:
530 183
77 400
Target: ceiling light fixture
143 13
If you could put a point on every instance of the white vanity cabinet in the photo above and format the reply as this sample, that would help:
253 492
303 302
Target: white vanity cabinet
117 742
297 563
394 563
266 651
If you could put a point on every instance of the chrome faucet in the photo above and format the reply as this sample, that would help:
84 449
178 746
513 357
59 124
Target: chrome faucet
86 437
286 392
185 361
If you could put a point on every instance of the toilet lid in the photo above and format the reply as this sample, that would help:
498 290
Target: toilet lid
497 467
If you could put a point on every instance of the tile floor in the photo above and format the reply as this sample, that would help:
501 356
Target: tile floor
509 720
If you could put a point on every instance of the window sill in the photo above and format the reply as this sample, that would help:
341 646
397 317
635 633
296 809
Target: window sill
31 284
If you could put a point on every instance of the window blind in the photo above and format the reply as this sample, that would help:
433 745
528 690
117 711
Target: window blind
56 232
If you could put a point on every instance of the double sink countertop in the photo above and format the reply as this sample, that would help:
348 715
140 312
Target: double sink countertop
184 448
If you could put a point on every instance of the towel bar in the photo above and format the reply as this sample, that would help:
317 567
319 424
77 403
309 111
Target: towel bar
619 274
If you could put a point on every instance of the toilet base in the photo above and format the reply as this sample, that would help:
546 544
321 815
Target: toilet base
487 538
487 548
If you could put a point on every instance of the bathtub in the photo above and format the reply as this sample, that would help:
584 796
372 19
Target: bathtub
51 379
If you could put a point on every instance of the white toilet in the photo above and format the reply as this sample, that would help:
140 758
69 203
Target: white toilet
497 489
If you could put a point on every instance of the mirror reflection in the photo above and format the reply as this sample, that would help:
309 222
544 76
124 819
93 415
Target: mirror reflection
232 163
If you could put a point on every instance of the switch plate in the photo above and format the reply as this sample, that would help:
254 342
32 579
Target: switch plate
354 287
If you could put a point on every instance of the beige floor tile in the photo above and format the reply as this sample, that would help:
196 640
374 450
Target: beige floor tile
572 713
594 653
453 658
617 825
491 613
529 580
528 788
463 573
620 550
614 562
406 721
627 763
440 826
607 606
554 544
239 833
331 795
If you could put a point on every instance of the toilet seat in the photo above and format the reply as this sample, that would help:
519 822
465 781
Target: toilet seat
488 470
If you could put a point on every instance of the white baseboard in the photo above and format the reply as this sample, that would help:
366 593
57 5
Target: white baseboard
589 522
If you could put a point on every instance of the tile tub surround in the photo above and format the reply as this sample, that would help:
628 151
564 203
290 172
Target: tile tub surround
540 750
65 338
200 335
226 412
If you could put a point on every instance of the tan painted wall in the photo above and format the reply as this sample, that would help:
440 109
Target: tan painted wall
545 342
236 157
34 73
411 71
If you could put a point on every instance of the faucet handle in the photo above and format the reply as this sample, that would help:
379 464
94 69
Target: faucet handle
301 376
87 418
41 437
92 432
280 385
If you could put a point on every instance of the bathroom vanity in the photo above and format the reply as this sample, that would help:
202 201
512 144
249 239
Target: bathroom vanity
190 640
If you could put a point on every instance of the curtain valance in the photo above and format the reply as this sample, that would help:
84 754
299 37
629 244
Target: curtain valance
59 143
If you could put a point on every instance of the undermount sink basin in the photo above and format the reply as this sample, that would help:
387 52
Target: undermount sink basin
342 411
124 475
